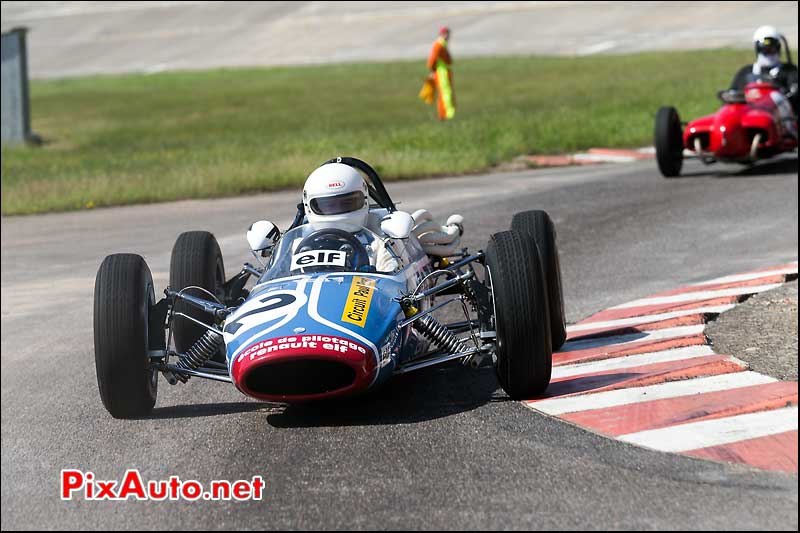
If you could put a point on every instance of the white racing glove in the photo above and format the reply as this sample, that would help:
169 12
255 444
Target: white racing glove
438 240
384 261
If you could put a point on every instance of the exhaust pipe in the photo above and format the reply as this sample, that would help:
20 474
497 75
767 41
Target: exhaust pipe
754 146
698 148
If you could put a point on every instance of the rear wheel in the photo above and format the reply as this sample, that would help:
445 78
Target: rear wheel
539 226
669 142
524 351
123 294
196 262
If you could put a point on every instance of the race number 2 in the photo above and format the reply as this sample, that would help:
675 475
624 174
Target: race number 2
272 308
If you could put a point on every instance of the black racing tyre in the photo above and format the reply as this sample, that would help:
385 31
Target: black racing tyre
196 262
123 294
539 226
669 142
524 350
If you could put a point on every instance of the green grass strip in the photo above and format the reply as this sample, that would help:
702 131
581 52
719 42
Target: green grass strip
112 140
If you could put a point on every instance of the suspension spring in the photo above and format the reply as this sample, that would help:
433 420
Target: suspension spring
436 332
200 352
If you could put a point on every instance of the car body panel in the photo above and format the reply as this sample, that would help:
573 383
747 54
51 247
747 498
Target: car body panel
728 134
349 318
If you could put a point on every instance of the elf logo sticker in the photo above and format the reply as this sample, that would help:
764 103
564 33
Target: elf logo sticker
314 258
335 184
356 308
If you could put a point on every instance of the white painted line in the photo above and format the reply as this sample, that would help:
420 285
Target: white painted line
647 150
747 277
697 296
637 320
597 48
630 361
662 391
155 69
695 435
621 340
609 158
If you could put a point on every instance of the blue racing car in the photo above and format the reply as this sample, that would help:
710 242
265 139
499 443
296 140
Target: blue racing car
343 300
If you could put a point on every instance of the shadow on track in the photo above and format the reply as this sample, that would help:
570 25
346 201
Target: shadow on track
204 410
425 395
768 168
784 165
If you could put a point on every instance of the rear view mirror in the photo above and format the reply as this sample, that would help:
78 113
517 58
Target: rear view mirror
263 235
397 225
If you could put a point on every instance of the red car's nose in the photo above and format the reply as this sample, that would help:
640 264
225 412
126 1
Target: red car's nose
303 367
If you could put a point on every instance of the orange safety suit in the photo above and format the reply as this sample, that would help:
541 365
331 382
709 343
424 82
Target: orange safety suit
439 63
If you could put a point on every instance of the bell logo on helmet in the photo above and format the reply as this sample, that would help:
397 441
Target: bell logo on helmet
335 184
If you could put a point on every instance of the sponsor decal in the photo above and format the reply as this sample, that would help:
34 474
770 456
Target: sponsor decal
753 94
356 308
314 258
306 344
335 184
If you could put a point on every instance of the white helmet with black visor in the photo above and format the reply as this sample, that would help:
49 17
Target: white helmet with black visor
767 42
335 196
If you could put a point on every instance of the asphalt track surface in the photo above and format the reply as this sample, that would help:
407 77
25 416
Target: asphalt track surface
78 38
441 448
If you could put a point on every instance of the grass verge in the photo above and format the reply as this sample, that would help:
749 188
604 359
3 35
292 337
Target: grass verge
112 140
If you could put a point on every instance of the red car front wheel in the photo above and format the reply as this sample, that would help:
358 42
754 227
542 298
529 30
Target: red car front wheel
669 142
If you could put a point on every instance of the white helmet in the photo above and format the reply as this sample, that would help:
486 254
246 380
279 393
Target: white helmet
335 196
767 42
764 34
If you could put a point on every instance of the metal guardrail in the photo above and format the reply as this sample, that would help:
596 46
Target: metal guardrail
16 117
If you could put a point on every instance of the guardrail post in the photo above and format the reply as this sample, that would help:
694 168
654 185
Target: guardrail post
16 116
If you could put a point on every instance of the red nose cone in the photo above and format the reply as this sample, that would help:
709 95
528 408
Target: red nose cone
303 367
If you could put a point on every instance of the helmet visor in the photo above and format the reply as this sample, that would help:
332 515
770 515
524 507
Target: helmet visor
768 46
336 205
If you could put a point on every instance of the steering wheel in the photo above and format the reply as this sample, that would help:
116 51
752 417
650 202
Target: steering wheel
357 257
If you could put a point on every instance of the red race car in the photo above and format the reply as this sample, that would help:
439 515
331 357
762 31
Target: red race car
747 128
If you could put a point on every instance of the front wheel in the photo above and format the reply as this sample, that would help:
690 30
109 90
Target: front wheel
123 294
524 349
669 142
538 225
196 262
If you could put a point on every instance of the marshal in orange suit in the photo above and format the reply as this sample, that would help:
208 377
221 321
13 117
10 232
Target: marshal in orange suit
439 63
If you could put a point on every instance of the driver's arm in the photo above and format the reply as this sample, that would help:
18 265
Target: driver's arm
791 84
384 260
